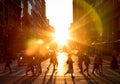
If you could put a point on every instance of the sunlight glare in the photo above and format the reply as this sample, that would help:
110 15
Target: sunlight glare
62 57
61 36
59 12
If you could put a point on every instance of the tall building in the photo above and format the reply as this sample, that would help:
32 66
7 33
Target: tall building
10 12
3 26
109 16
19 21
82 24
38 13
108 13
37 18
34 21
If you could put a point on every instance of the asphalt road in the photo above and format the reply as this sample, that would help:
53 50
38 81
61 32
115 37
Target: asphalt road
57 76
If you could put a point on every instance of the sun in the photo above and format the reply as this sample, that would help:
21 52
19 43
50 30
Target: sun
61 36
59 13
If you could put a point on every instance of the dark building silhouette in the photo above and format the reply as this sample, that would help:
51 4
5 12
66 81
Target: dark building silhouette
83 22
10 12
35 24
21 20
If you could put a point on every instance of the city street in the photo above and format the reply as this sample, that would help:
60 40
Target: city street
57 77
37 33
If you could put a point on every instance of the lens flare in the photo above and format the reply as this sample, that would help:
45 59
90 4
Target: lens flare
35 46
87 25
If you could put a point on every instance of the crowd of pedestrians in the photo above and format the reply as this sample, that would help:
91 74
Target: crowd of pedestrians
34 63
84 60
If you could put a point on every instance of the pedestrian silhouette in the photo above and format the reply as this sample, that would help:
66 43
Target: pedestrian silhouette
86 62
53 60
8 63
70 66
97 65
80 61
30 66
38 60
114 62
100 64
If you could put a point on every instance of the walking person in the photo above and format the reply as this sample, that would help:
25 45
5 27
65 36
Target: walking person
8 63
70 66
114 63
80 61
95 63
53 60
100 64
38 60
86 62
30 66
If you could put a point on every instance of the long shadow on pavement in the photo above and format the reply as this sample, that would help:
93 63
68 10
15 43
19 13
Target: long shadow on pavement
29 79
51 78
89 79
44 79
73 80
54 81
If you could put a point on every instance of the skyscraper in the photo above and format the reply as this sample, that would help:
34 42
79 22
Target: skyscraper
108 13
10 12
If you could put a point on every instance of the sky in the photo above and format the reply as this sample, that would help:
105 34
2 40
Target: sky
59 13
